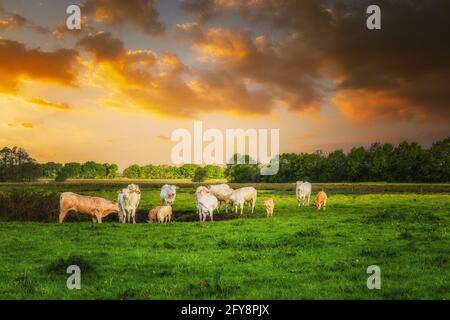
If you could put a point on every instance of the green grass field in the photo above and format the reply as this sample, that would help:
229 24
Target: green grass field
298 254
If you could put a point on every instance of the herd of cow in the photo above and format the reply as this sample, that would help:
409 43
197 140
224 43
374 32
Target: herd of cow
208 199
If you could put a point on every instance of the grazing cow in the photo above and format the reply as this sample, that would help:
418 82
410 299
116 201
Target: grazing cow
206 203
242 196
222 192
206 206
321 201
96 208
162 214
303 192
168 194
269 205
128 200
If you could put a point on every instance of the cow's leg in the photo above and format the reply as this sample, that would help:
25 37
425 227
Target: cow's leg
253 205
94 219
62 215
134 216
99 218
242 208
309 197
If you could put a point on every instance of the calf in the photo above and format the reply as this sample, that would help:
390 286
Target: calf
321 201
96 208
162 214
269 205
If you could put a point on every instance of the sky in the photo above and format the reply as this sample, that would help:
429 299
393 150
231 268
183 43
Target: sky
137 70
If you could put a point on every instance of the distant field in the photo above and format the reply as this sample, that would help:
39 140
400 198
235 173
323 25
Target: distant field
298 254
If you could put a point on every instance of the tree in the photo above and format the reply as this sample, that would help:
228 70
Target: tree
200 175
407 163
357 164
214 171
437 164
132 172
51 169
61 177
111 170
380 156
72 170
17 165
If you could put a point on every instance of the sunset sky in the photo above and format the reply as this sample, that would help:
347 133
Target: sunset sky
137 70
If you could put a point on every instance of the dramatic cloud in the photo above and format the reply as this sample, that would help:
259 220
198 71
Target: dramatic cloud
103 46
325 45
164 85
17 63
141 13
285 71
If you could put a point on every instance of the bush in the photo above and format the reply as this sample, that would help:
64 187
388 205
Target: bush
200 175
61 177
28 205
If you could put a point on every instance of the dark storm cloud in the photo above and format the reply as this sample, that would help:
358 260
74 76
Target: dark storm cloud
103 46
405 65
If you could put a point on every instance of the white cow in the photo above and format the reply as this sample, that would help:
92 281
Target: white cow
206 203
128 200
168 194
222 192
303 192
242 196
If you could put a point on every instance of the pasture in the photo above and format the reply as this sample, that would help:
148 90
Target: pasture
298 254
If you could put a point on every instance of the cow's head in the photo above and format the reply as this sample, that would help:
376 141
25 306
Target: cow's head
134 188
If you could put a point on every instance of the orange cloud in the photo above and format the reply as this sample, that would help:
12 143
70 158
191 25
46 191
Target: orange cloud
17 63
24 124
370 105
141 13
48 104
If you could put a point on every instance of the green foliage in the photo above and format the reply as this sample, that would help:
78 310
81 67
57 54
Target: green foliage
408 162
186 171
17 165
51 169
61 177
200 175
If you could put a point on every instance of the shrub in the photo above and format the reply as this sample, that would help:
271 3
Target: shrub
29 205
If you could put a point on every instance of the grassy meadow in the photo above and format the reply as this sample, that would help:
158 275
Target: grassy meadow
298 254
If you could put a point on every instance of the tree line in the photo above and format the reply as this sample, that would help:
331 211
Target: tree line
406 162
